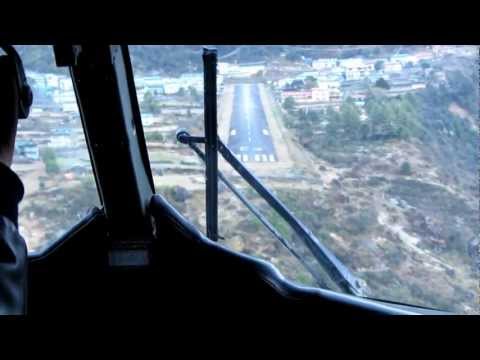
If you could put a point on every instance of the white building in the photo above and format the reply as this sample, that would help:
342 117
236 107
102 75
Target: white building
324 64
53 80
28 149
405 58
238 70
66 100
284 82
148 119
392 66
321 93
307 74
356 68
61 141
65 84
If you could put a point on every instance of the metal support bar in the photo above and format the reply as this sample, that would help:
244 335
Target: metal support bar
211 144
337 271
184 138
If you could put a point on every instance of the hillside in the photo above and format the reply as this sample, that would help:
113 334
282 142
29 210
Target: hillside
402 209
175 59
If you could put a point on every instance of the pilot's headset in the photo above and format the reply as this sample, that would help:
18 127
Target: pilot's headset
25 96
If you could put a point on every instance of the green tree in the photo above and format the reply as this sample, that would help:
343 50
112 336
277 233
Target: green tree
405 168
150 104
425 64
379 65
310 82
50 161
194 94
294 56
181 92
289 103
154 136
313 117
382 83
350 120
258 74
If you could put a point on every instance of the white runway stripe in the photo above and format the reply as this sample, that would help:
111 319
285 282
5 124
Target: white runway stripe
245 157
272 158
257 157
264 157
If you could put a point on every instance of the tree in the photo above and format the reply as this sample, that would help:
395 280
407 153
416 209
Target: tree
154 136
382 83
310 82
379 65
181 92
425 64
289 103
313 117
150 104
297 84
50 161
194 94
405 168
294 56
350 120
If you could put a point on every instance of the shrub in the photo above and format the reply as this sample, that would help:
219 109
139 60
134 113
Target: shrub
405 168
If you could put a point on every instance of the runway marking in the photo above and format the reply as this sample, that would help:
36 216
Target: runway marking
249 139
272 158
257 157
264 156
233 132
265 132
245 157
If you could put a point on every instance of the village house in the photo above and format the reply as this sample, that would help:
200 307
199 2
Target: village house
298 96
66 99
240 70
392 66
356 68
27 149
324 64
321 93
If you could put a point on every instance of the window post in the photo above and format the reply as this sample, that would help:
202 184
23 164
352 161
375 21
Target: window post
211 140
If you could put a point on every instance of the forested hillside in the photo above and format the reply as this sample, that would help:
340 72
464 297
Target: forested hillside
175 59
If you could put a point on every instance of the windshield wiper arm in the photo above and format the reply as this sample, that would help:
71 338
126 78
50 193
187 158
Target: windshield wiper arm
337 271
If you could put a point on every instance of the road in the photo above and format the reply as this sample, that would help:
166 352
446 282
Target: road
249 135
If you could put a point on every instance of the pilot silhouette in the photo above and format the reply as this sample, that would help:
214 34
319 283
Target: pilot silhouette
13 250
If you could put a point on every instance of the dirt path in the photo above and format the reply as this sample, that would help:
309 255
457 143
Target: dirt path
411 242
454 108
